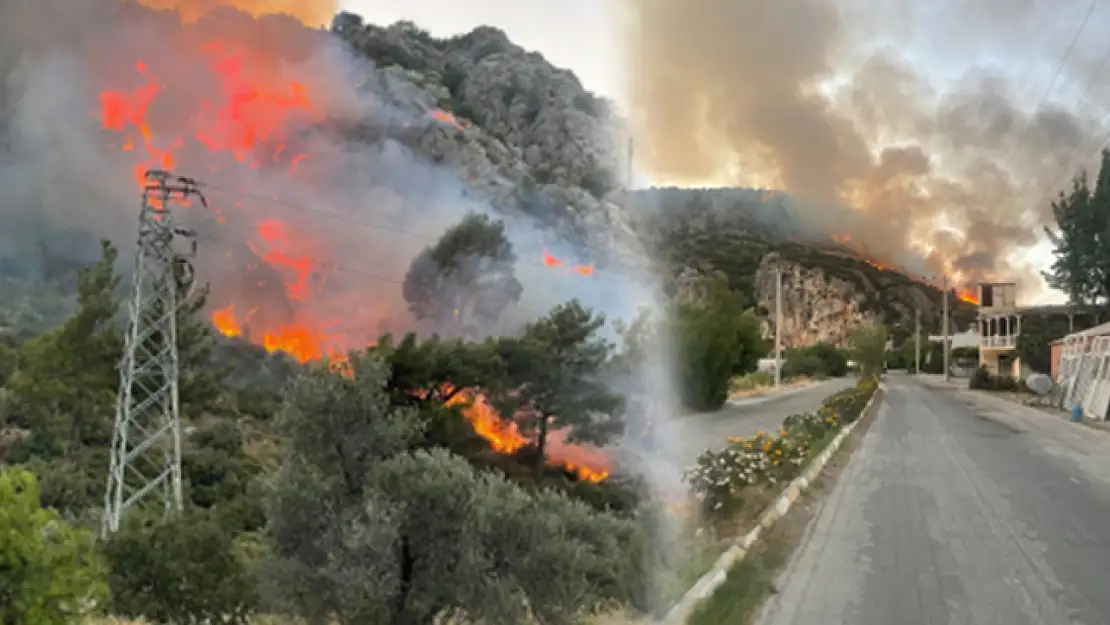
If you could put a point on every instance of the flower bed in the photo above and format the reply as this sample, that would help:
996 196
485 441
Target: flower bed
723 481
735 485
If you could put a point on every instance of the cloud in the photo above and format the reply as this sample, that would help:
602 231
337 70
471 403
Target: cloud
805 96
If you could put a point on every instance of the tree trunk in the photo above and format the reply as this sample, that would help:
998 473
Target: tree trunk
541 444
407 564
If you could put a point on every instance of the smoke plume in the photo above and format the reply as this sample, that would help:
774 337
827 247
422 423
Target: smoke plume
309 233
805 97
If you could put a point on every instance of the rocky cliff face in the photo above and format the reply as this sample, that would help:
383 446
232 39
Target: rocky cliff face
816 308
825 301
525 135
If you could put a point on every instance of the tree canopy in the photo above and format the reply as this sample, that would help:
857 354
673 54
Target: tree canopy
466 280
49 572
555 379
368 527
869 348
1081 239
714 340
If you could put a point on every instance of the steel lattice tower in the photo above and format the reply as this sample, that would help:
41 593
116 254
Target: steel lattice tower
146 438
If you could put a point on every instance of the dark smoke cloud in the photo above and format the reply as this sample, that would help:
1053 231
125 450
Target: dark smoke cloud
804 96
360 210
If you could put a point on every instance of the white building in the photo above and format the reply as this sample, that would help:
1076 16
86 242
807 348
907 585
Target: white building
999 326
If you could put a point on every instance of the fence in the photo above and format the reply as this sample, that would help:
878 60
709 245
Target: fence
1083 377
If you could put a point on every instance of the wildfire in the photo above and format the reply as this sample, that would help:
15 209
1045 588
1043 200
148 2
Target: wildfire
968 295
308 12
226 323
448 118
248 117
587 463
965 293
552 261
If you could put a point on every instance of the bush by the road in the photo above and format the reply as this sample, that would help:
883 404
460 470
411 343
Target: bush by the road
984 380
819 360
715 340
722 479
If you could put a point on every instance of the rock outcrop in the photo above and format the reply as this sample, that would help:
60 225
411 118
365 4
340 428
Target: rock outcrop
525 135
816 308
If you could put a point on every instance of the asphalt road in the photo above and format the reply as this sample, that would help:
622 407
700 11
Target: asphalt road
958 509
691 435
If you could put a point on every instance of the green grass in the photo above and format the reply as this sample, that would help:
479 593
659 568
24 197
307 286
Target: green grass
748 583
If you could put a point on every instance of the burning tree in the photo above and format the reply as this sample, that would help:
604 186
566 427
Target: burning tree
554 378
463 282
366 530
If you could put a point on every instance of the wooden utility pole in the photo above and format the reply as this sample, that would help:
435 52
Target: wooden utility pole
947 350
917 342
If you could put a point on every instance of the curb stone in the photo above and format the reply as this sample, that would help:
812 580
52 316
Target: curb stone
709 582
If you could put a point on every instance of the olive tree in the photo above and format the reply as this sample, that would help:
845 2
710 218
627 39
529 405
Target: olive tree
365 527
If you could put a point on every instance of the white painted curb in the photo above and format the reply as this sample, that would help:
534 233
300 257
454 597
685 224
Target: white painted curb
709 582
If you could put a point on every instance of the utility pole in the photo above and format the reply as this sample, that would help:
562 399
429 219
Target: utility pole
917 342
630 163
778 322
146 437
944 331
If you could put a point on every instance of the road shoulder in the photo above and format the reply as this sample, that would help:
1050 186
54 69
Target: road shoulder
1081 446
752 579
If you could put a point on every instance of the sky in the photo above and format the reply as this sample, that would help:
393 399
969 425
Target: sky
943 42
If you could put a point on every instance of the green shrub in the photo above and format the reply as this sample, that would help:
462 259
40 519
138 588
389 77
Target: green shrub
981 379
715 341
49 573
185 570
984 380
820 360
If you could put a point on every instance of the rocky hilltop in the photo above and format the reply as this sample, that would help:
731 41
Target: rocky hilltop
529 137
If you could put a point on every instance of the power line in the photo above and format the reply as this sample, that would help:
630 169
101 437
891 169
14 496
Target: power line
344 218
1055 77
356 272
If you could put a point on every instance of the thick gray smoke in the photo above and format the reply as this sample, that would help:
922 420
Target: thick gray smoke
805 96
308 230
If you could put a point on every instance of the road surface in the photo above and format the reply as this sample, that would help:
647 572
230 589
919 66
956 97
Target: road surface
958 509
692 434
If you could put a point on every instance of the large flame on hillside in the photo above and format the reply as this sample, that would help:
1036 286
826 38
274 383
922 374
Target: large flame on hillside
308 12
588 463
965 293
251 117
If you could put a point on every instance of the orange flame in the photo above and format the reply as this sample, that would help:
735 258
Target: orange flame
968 295
586 462
250 121
552 261
448 118
308 12
225 322
965 293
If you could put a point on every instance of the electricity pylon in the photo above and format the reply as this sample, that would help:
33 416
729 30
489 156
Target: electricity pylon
146 438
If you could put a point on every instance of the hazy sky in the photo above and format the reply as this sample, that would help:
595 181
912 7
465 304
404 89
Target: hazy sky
943 42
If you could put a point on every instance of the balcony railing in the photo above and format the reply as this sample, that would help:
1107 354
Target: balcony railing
998 341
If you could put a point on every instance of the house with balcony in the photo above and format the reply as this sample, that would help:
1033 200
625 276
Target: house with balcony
999 326
1000 320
